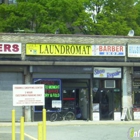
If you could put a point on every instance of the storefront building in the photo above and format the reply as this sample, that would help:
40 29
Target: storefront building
98 74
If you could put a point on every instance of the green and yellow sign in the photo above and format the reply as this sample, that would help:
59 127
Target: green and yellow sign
59 49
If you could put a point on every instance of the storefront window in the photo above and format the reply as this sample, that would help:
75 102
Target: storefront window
52 93
95 91
117 101
136 90
69 98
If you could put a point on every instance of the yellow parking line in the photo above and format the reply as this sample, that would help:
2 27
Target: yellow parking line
29 136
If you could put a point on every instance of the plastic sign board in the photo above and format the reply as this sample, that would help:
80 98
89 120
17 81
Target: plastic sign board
103 72
96 116
136 115
28 95
59 49
10 48
108 50
117 116
133 50
75 50
56 103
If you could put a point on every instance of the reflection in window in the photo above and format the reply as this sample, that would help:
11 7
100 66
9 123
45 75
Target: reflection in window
117 101
95 91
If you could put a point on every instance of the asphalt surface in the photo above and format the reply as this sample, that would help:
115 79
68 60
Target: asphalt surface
73 130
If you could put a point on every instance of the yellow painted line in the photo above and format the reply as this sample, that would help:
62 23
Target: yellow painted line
29 136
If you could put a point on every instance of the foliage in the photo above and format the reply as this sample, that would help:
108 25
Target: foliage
104 17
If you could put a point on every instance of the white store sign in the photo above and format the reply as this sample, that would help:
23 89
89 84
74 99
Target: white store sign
117 116
10 48
28 95
103 72
136 115
56 104
96 116
133 50
108 50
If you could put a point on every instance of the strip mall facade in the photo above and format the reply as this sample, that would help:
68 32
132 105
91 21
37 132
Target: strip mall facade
99 74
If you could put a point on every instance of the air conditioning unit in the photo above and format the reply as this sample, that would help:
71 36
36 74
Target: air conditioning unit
109 84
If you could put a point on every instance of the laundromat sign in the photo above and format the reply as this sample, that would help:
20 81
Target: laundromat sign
102 72
75 50
10 48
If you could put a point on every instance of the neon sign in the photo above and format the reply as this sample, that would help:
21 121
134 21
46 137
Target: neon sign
52 87
52 92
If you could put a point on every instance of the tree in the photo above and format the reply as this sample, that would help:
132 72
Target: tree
113 17
104 17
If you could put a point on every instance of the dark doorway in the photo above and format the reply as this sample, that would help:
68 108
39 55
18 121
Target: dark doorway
106 105
107 94
75 94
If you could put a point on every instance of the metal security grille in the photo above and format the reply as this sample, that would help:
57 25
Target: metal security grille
6 95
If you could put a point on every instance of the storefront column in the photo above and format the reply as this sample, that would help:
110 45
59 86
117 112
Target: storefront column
27 109
91 98
127 90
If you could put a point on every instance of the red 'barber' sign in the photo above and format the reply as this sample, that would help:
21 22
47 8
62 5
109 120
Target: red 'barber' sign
10 48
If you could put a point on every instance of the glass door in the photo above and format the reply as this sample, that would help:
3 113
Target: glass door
107 95
110 102
106 105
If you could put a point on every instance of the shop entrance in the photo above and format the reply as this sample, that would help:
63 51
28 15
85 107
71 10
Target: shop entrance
76 97
110 102
76 100
109 98
105 111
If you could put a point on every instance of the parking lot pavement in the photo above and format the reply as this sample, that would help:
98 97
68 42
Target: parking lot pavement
8 136
31 128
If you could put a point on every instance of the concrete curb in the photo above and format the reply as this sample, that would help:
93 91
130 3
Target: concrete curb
4 124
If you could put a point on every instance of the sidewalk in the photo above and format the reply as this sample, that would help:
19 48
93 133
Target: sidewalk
75 122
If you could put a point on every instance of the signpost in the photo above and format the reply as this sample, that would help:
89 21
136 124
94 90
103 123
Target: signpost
28 95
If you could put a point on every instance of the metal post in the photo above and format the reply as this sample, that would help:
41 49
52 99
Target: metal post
44 124
22 128
13 125
40 134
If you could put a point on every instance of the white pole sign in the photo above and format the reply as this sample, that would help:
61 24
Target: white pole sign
28 95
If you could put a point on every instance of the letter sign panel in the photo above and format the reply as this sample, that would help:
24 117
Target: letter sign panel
10 48
108 50
28 95
103 72
75 50
133 50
